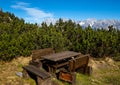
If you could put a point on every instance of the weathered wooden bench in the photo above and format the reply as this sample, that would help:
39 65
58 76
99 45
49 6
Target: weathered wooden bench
81 61
36 54
40 74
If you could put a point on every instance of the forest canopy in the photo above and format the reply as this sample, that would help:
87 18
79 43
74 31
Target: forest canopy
18 38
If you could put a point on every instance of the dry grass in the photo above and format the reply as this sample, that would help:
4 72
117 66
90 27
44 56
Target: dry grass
105 72
8 72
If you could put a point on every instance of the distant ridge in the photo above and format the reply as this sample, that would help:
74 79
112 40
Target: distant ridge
94 23
103 23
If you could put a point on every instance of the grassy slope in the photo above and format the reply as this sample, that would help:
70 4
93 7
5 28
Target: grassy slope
8 72
105 72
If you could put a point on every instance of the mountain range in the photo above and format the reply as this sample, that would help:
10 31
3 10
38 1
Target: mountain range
94 23
100 23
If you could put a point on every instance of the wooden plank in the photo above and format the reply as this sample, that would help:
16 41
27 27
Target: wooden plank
81 63
69 77
60 65
65 76
82 60
71 66
37 72
60 56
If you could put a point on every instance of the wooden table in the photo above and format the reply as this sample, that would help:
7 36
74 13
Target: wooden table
59 60
60 56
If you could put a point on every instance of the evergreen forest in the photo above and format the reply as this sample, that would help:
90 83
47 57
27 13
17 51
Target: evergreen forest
18 38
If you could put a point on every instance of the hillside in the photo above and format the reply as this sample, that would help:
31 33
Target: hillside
18 38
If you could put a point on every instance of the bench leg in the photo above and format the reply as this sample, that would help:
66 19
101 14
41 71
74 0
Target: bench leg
39 81
25 74
73 78
89 70
43 82
85 69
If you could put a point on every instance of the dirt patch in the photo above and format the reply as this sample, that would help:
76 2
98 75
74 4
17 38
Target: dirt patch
105 63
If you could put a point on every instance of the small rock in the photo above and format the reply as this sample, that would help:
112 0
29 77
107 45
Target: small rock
20 74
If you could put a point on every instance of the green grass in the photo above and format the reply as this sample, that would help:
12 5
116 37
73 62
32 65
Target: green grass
82 79
113 80
102 77
57 82
112 77
30 81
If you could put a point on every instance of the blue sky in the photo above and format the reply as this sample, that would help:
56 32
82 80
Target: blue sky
39 10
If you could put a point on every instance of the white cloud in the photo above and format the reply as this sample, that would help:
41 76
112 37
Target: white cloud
37 13
20 5
34 14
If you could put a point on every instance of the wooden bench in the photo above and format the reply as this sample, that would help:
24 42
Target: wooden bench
81 61
41 75
36 54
